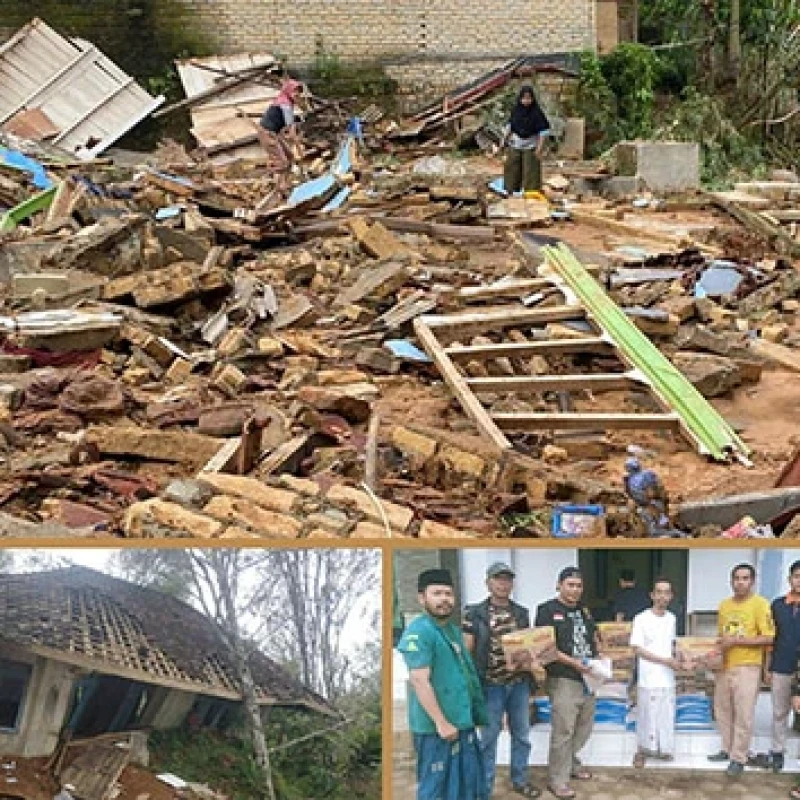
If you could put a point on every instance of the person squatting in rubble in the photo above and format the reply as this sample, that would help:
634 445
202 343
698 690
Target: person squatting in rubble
277 130
647 491
525 135
446 704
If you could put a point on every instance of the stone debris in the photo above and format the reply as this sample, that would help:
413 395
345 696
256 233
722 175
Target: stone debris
190 349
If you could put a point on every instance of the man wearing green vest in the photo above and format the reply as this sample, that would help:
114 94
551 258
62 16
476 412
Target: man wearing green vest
446 703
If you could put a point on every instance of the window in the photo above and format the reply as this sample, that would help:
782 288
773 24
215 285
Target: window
14 678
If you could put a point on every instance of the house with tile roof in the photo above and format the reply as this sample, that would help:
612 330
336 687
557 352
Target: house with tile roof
83 653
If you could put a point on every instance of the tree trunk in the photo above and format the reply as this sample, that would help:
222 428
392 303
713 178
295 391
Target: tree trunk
245 677
255 722
734 42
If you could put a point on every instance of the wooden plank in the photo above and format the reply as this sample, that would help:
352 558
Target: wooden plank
504 318
759 226
458 385
485 352
95 771
552 383
784 214
180 681
511 288
549 422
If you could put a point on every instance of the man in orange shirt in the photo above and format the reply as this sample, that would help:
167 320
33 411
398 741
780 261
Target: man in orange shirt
746 629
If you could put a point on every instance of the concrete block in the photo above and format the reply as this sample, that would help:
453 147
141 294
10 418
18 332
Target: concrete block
621 186
52 283
661 166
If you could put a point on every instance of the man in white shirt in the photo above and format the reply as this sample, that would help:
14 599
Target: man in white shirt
653 642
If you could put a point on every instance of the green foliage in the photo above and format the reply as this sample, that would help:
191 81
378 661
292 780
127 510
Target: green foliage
344 763
340 764
631 72
224 762
330 77
726 153
616 94
596 103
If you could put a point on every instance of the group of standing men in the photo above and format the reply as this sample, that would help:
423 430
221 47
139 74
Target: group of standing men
462 687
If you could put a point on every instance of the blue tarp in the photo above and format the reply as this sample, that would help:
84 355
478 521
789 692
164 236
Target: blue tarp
402 348
320 187
20 161
337 201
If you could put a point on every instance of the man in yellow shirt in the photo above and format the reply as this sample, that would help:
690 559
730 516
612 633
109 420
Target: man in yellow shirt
746 629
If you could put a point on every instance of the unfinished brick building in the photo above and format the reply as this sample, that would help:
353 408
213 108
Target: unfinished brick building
420 43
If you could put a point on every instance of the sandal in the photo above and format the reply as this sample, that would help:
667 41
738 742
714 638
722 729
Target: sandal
639 760
526 790
563 792
582 774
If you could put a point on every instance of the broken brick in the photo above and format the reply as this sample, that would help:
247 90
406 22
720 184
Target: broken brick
237 511
399 517
142 518
251 489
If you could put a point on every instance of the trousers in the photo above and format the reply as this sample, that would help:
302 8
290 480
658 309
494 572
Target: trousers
571 720
513 702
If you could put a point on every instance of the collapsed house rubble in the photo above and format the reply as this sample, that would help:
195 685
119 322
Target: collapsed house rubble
390 349
92 663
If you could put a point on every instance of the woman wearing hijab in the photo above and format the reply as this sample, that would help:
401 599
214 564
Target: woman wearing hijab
525 136
277 130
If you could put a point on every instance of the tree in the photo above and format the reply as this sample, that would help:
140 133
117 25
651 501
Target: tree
218 582
297 602
167 571
306 600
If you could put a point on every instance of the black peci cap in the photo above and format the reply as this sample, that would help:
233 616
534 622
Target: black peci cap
434 577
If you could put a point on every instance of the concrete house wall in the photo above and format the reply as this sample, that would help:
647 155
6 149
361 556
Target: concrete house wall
48 700
46 704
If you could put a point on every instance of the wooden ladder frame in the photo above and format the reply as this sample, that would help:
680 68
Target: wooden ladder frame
436 332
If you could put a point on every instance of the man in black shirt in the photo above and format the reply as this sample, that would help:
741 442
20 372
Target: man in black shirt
783 662
572 706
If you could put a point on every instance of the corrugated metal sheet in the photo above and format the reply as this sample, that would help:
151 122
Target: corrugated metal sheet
82 92
699 419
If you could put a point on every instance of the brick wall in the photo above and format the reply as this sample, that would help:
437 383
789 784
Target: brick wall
459 37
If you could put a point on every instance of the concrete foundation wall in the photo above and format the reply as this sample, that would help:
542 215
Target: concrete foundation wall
45 707
172 709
